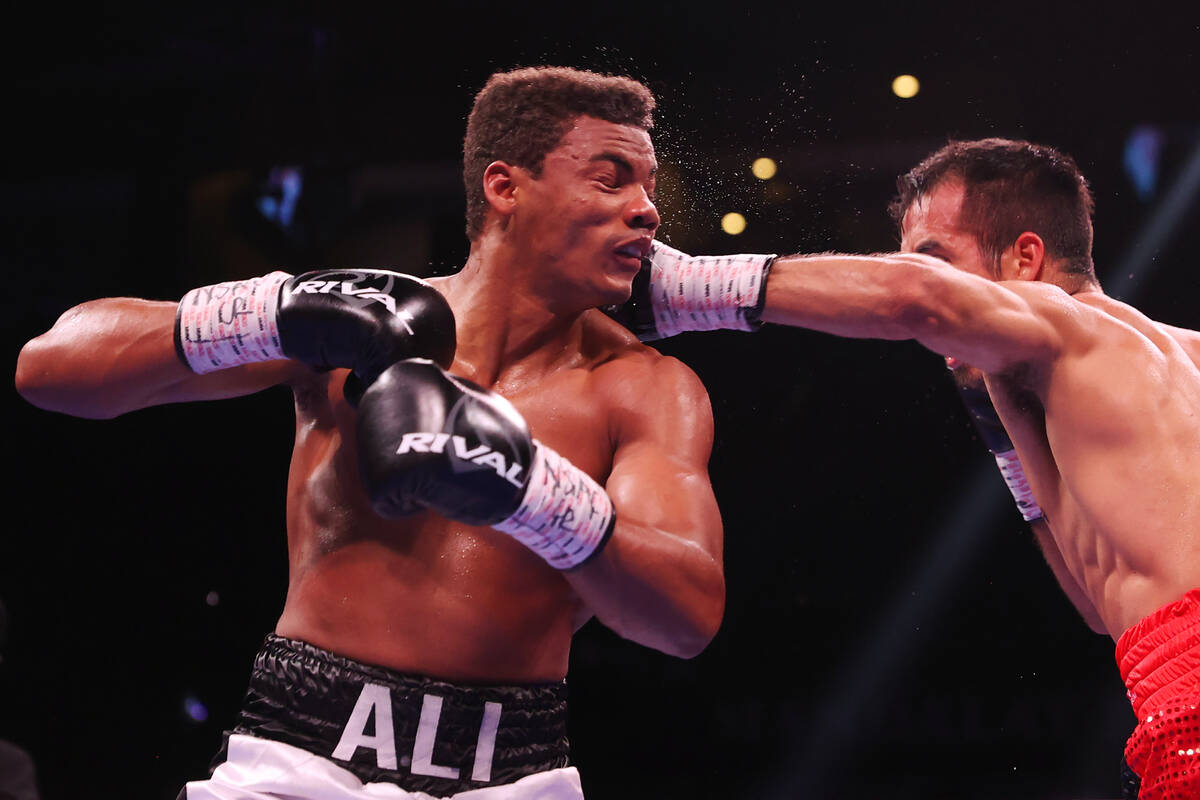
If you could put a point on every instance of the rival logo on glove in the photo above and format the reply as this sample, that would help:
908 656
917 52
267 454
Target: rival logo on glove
346 289
481 455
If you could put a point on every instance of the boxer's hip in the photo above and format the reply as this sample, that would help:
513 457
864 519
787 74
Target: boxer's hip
418 733
1159 657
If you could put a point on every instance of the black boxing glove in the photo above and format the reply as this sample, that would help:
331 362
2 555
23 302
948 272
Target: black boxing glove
675 292
363 320
991 430
429 439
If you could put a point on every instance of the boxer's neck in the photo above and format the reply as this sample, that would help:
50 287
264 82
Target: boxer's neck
502 320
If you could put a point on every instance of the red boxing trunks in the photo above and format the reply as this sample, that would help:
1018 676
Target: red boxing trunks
1159 659
418 734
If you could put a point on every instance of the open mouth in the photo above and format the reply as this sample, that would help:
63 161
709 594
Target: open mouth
632 253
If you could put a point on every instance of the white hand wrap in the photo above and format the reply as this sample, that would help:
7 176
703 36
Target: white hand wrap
1014 476
565 517
231 323
706 293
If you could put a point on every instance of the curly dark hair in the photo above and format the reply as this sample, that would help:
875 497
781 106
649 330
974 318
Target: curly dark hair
521 115
1011 187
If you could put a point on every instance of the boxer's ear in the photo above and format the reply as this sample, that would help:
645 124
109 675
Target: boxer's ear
500 187
1024 259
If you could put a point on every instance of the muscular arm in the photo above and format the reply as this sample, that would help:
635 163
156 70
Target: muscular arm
909 296
660 581
107 357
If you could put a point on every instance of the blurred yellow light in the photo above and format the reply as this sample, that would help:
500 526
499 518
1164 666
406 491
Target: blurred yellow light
763 168
905 86
733 223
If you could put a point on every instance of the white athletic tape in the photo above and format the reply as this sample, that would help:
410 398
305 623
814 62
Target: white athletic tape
565 516
704 293
1018 484
231 323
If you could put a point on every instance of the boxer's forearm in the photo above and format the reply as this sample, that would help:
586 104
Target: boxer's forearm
107 357
654 588
1070 586
659 580
913 296
846 295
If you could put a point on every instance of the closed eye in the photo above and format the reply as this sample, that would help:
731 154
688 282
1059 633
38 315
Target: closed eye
934 249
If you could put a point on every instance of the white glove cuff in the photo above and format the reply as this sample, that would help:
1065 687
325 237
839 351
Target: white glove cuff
705 293
228 324
1014 476
565 517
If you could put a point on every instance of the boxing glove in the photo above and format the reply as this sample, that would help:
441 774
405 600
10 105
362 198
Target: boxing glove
363 320
991 430
429 439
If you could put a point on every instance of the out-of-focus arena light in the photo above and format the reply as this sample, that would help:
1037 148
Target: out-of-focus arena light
763 168
733 223
195 709
212 599
905 86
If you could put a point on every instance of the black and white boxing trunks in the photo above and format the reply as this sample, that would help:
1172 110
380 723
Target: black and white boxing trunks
379 733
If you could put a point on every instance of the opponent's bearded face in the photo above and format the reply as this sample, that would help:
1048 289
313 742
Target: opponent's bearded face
589 218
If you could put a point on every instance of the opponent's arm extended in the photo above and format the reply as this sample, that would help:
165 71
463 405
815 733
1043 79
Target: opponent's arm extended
660 581
991 325
886 296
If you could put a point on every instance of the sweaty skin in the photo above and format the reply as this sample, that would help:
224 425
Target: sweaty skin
1101 402
425 595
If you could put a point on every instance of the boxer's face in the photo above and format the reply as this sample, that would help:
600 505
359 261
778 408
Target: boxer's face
931 227
590 216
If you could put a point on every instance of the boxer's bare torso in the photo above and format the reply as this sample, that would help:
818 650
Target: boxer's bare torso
430 596
1109 434
1102 403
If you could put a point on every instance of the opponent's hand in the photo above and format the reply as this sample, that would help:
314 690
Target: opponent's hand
429 439
363 320
675 292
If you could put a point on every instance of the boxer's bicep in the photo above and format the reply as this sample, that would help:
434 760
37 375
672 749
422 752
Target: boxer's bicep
660 466
659 580
661 495
993 326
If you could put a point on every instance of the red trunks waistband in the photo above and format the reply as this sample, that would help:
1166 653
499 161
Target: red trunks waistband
1157 654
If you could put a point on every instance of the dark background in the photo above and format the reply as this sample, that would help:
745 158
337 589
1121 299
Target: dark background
891 629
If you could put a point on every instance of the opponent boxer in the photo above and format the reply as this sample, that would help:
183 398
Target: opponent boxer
1100 401
428 649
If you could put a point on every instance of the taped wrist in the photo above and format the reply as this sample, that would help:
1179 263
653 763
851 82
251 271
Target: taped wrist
1014 477
706 293
228 324
565 516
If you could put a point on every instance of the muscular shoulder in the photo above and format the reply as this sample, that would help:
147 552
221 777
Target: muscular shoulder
1068 322
647 394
